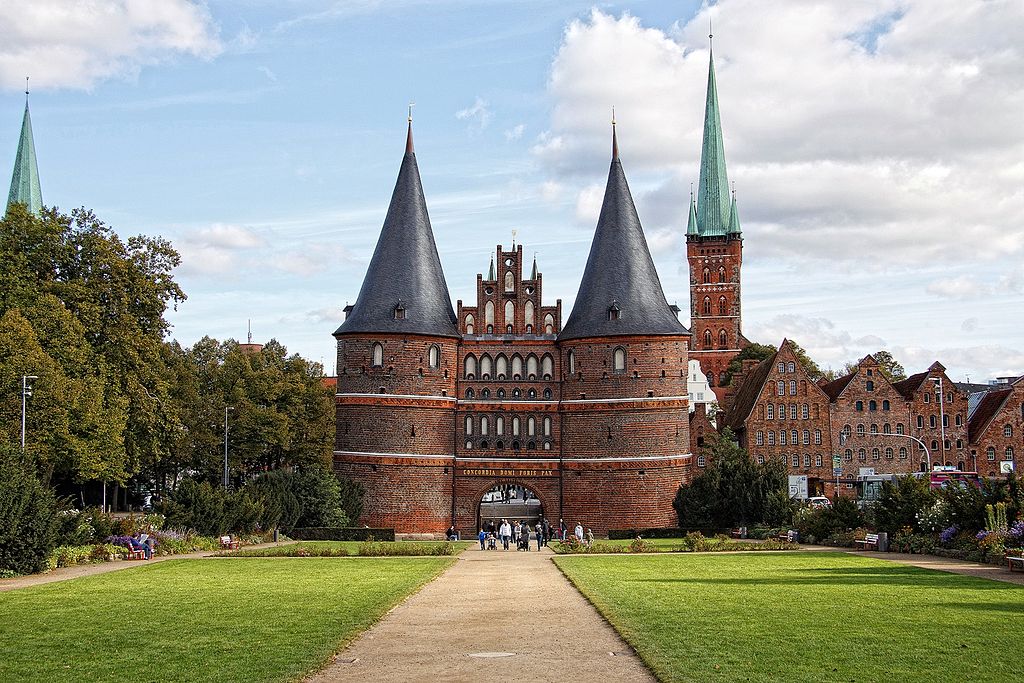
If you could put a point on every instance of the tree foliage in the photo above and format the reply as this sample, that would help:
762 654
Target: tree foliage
29 521
733 490
753 351
900 503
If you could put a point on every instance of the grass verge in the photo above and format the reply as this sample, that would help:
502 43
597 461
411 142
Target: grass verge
804 617
360 548
201 620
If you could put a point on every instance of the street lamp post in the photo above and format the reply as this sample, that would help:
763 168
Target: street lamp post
942 412
843 437
26 391
227 409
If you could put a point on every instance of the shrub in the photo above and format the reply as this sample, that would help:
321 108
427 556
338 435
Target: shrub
29 517
900 503
390 548
823 523
341 534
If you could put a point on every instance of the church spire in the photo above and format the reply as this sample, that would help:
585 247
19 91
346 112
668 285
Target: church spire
533 271
25 180
404 290
691 223
713 202
620 293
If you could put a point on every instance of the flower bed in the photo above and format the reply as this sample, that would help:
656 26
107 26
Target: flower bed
692 542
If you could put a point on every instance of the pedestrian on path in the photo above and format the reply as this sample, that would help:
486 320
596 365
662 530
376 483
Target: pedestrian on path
505 532
482 536
540 535
579 532
547 530
590 538
562 528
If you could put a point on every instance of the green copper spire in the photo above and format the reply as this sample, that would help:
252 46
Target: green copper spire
25 181
713 205
734 217
490 271
533 273
691 225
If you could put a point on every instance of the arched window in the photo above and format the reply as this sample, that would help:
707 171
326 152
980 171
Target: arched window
759 438
990 453
528 313
780 388
501 393
547 426
378 355
721 274
531 426
860 430
805 412
859 406
707 305
1008 453
469 367
723 306
549 324
619 359
510 282
515 426
886 428
486 367
489 313
875 454
1008 430
707 275
899 427
888 453
869 385
516 393
469 426
501 366
707 339
848 455
791 366
771 437
931 421
469 393
782 368
547 393
469 324
817 437
874 429
434 356
547 366
711 379
532 393
771 411
531 366
807 437
872 405
792 392
510 313
723 340
469 445
499 426
903 452
796 460
484 426
572 363
783 437
885 404
485 393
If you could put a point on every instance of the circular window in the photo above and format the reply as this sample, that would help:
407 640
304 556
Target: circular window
488 290
529 290
509 262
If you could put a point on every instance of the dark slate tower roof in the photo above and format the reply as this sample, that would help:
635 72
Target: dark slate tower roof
620 293
404 291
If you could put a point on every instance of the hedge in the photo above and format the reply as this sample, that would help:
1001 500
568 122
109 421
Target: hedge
341 533
663 532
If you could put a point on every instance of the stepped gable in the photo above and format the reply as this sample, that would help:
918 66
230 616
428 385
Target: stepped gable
404 290
25 187
620 293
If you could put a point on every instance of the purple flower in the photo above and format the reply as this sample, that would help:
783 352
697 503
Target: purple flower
948 535
125 541
1016 531
982 535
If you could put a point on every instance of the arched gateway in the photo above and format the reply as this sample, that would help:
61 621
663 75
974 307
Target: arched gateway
509 500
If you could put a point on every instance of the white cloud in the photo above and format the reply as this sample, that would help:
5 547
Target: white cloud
962 287
514 133
227 236
76 44
588 204
889 125
478 114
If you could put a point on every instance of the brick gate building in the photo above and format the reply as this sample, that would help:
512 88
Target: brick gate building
437 406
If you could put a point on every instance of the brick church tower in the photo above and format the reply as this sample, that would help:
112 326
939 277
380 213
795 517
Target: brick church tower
714 250
624 360
397 355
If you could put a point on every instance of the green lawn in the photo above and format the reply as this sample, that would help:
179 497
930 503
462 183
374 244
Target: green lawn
802 616
201 620
347 548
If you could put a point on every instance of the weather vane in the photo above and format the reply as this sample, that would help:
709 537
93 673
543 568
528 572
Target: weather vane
411 105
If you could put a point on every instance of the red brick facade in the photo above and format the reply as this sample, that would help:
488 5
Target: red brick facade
715 305
997 430
598 428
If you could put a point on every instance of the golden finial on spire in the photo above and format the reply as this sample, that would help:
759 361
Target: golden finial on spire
615 139
411 105
408 136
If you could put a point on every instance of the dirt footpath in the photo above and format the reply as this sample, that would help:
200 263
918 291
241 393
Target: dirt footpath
501 615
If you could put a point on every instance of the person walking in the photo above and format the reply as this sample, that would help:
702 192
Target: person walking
517 529
505 532
540 535
590 538
547 529
562 528
482 536
578 532
524 538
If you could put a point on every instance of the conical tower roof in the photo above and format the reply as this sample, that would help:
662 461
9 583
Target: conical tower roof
620 293
714 213
25 180
404 290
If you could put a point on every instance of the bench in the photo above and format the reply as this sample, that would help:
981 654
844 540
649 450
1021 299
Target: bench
135 554
868 540
739 532
1015 563
228 543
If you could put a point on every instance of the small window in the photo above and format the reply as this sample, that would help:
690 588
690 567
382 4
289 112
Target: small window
783 438
760 459
807 437
792 411
399 310
549 328
771 438
619 359
874 429
469 323
791 366
723 340
805 412
707 275
873 406
760 438
723 306
870 386
469 393
547 426
701 462
931 421
547 393
515 426
927 397
903 452
990 453
1008 453
796 460
1008 430
486 393
848 455
780 388
860 430
531 426
707 339
501 393
888 453
434 356
378 355
782 368
469 445
510 282
899 428
469 426
885 405
572 363
862 455
771 411
920 422
484 426
887 428
859 406
499 426
817 460
817 437
959 420
613 311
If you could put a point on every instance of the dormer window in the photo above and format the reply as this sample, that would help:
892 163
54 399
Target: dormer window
399 310
348 309
614 311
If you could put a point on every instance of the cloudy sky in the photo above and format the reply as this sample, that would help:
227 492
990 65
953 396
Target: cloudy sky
877 149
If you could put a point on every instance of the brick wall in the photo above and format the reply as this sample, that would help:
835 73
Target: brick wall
715 303
989 447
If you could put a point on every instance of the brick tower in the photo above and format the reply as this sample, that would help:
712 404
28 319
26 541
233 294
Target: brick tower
714 250
397 352
624 354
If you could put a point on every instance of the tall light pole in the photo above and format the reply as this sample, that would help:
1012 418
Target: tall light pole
26 391
843 438
227 409
942 412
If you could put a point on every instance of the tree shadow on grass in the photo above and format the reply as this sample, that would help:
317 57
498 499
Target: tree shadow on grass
846 576
1008 607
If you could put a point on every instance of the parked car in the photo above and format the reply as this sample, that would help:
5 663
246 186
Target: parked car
819 502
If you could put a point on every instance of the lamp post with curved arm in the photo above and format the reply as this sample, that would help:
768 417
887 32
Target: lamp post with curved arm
843 436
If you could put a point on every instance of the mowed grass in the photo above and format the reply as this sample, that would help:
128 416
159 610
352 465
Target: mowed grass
801 616
201 620
351 548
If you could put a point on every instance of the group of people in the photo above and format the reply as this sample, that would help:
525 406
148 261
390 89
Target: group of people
518 534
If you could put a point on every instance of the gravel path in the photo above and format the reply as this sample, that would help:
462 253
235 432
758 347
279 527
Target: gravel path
493 615
942 564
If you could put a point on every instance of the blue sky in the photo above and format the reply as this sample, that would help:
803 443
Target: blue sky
876 151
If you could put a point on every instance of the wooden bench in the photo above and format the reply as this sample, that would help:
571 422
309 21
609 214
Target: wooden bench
1015 563
740 532
868 540
228 543
135 554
